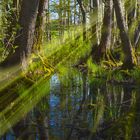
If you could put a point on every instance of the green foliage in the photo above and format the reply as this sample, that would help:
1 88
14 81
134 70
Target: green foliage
91 66
135 74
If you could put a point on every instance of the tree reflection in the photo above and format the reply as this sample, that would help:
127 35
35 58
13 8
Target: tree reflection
78 108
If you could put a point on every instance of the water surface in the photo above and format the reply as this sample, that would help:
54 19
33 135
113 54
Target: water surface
75 106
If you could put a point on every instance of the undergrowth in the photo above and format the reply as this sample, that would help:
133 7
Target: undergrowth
114 75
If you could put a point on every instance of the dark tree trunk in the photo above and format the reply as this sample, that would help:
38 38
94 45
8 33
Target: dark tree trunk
106 31
129 59
25 36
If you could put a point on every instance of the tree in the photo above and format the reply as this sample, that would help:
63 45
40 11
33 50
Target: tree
69 13
137 30
137 37
106 31
48 29
83 11
39 29
25 35
129 58
60 13
75 10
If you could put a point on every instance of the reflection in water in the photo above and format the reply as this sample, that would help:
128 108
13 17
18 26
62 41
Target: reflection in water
77 108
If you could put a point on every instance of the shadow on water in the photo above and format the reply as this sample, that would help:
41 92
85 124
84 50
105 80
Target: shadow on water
79 107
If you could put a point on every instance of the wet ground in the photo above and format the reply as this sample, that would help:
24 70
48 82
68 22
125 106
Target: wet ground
75 107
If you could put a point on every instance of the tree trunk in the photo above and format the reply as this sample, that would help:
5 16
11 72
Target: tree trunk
129 58
94 4
69 13
48 27
131 16
106 31
137 30
75 10
137 37
40 24
25 35
83 10
60 13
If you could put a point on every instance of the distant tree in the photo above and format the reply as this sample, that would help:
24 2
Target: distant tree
69 12
60 13
48 25
84 18
75 12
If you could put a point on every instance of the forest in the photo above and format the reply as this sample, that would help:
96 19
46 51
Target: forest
69 69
